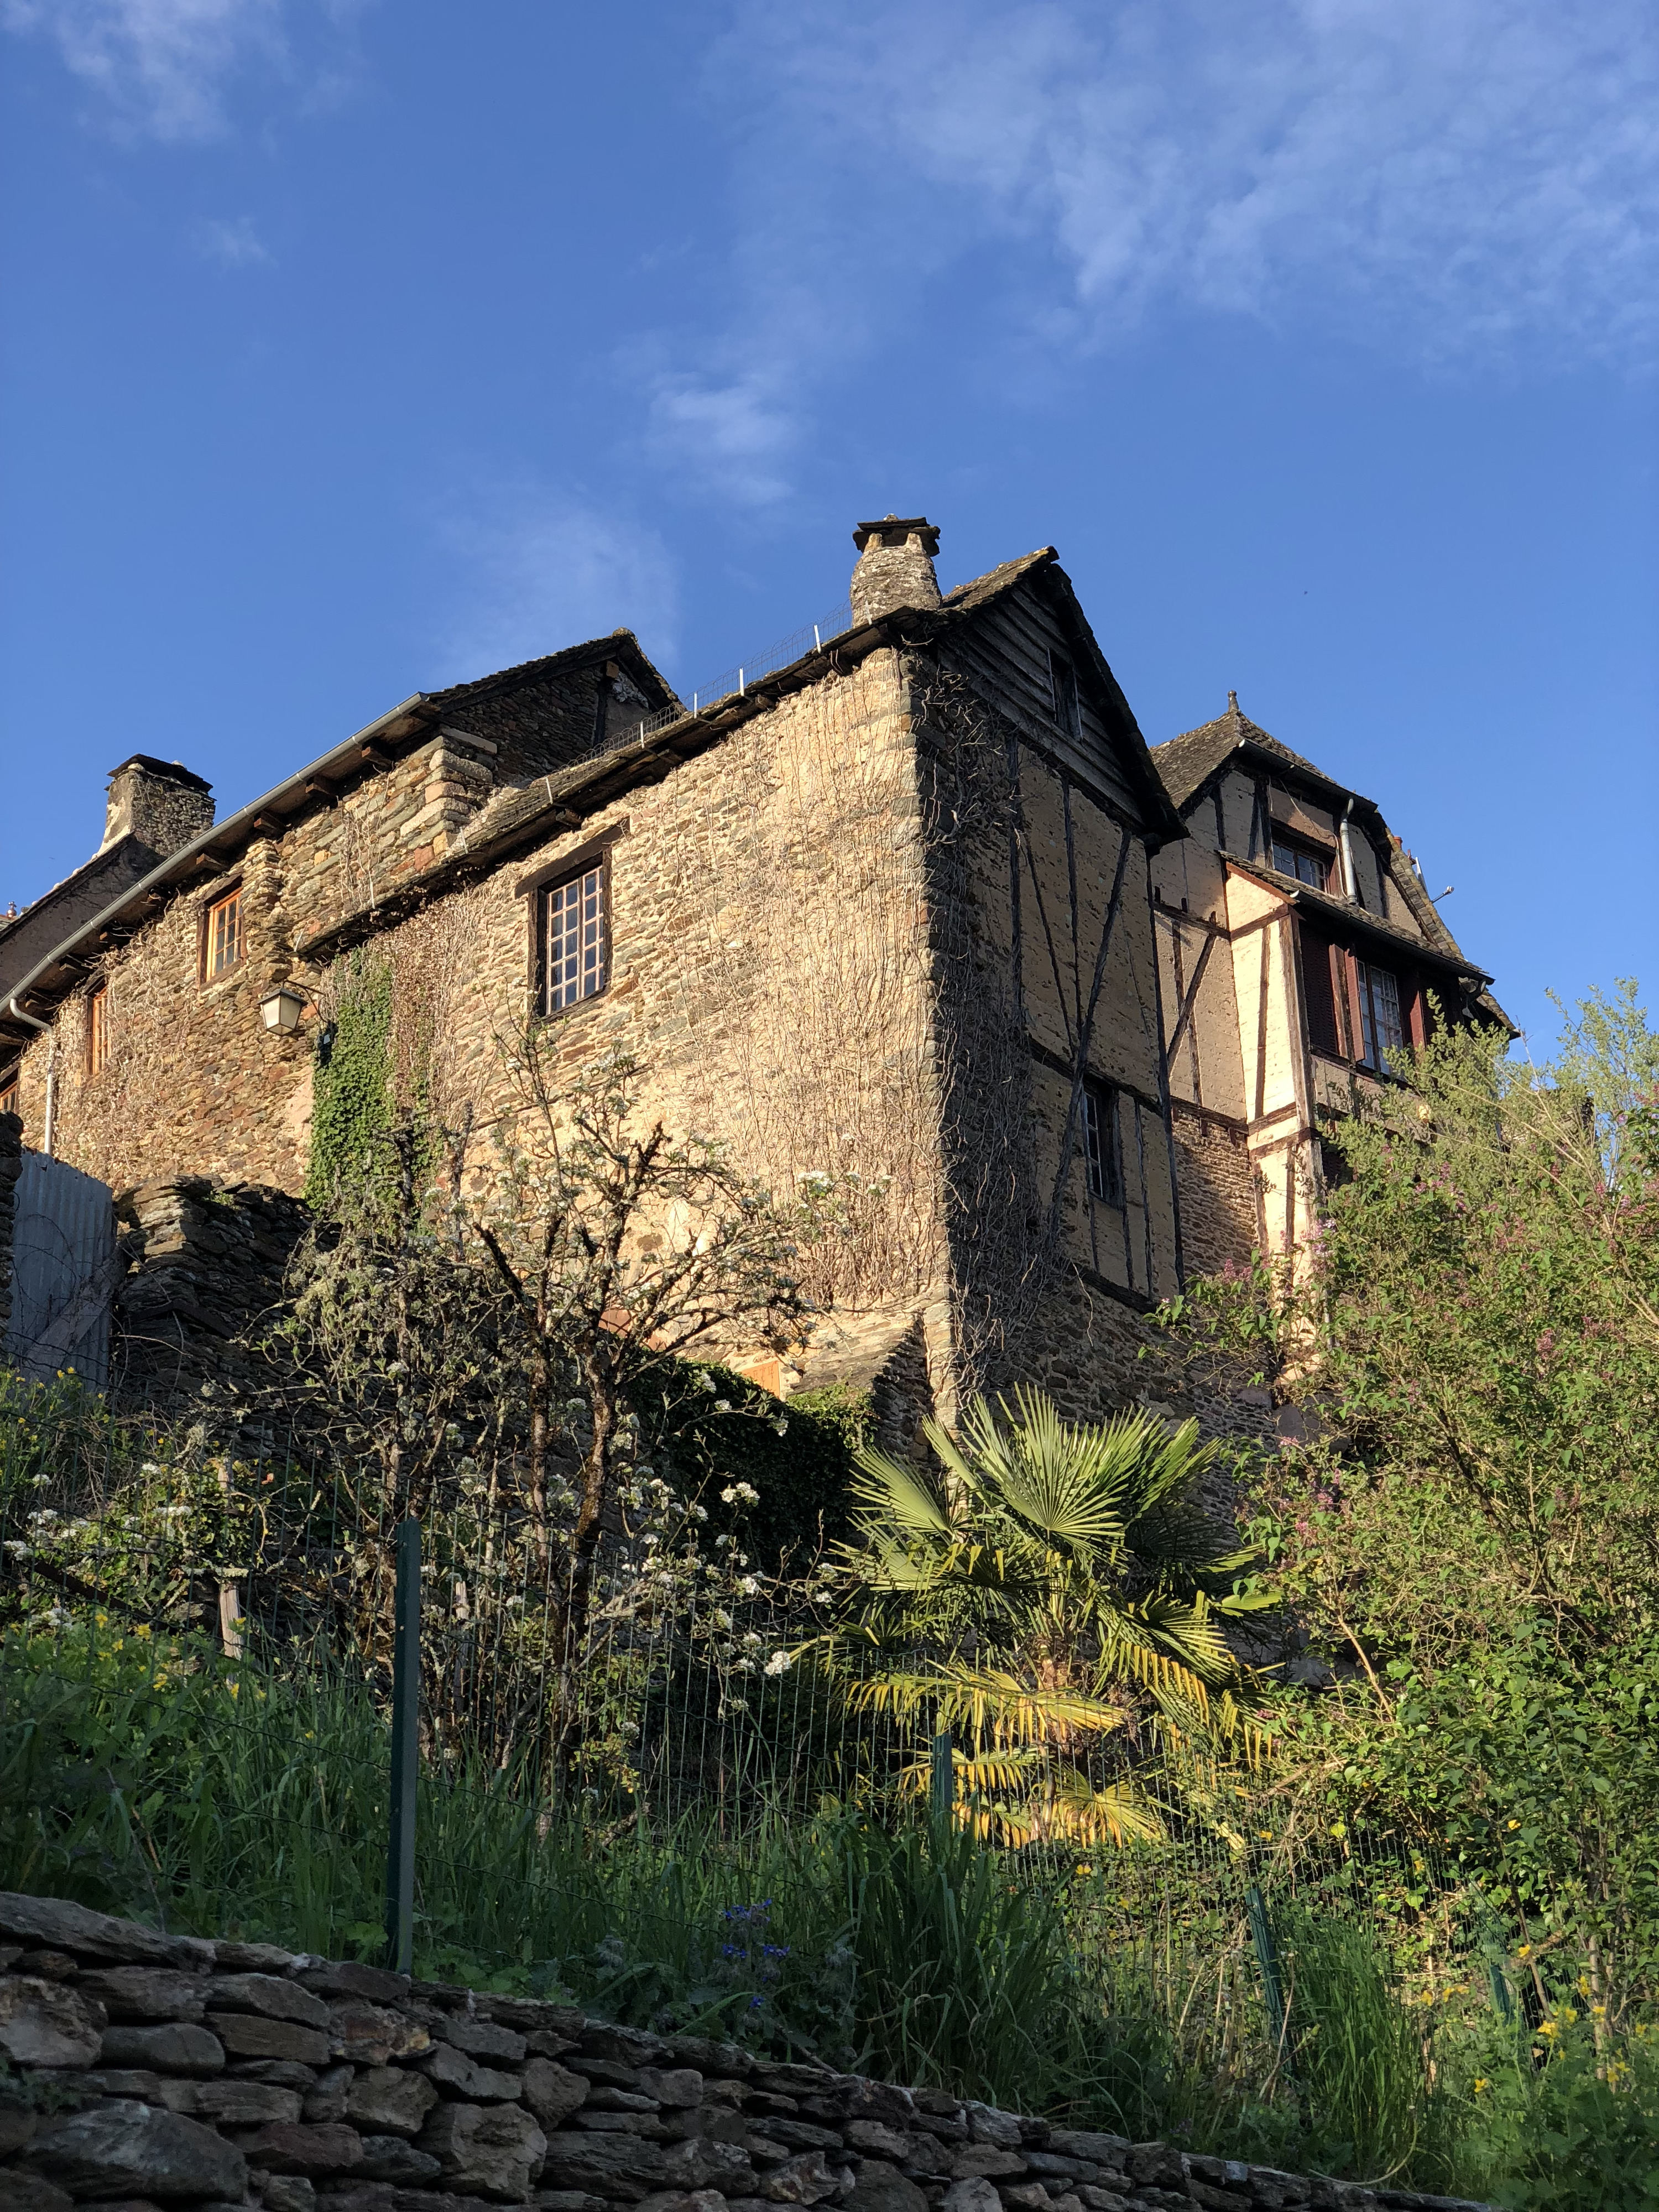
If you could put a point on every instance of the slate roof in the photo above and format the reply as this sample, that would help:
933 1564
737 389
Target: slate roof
1185 763
513 819
621 644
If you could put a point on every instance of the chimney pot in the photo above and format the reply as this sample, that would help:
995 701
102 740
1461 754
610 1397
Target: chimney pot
895 567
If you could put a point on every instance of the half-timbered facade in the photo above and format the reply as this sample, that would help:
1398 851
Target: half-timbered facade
1299 952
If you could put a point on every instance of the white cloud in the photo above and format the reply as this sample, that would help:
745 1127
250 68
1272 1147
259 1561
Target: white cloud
234 245
163 68
734 436
545 570
1442 177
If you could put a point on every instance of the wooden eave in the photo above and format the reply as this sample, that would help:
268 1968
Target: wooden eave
1343 917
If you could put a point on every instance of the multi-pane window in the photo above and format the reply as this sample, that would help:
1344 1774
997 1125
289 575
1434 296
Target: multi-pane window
97 1028
575 952
1380 1020
1303 862
1100 1144
223 945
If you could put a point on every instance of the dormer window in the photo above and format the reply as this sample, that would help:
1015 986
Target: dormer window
1306 863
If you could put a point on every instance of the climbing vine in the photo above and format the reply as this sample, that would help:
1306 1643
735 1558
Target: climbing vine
353 1097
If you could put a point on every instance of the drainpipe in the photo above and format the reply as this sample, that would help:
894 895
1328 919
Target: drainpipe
1344 839
17 1014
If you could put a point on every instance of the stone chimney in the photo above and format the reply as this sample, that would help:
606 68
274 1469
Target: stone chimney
895 567
156 802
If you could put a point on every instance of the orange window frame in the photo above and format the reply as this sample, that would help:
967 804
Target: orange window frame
97 1028
223 938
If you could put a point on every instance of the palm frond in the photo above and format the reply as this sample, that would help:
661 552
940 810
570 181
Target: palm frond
887 1490
986 1701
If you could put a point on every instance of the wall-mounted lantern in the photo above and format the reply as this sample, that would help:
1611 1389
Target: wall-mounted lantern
282 1010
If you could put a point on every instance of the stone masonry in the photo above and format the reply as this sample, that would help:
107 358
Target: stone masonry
917 919
152 2071
11 1166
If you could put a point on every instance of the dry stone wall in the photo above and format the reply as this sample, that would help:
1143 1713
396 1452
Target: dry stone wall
151 2070
208 1260
11 1166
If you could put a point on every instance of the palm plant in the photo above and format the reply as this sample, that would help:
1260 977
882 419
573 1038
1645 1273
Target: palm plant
1048 1592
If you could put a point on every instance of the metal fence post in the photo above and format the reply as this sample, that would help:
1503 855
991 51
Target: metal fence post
405 1749
1267 1957
941 1779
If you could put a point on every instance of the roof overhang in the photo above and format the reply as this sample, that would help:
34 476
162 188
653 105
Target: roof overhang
1343 918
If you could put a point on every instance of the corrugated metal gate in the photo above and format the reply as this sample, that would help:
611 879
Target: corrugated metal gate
64 1270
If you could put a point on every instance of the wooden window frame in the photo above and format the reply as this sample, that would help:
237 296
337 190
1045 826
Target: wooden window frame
1308 848
541 897
97 1028
1371 1052
208 973
1323 985
1103 1155
11 1090
1064 697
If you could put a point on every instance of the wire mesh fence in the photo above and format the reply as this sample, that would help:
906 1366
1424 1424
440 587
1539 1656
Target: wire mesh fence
196 1700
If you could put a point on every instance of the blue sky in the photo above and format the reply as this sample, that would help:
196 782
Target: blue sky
353 348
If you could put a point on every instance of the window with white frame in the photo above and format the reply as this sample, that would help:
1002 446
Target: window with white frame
574 940
1382 1026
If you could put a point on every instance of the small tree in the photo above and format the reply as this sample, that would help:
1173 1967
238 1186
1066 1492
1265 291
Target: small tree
389 1351
1470 1539
1048 1588
619 1248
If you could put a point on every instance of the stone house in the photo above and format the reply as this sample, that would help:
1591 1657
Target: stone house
915 917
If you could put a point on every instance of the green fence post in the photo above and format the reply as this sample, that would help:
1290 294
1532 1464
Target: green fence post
1267 1957
941 1779
405 1749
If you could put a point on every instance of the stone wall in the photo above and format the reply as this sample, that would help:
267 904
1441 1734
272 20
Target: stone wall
1220 1213
207 1259
777 936
160 2070
11 1166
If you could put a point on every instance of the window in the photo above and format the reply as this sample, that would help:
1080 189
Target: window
8 1093
1062 684
1305 862
1319 992
1100 1143
97 1028
1379 1012
574 940
222 944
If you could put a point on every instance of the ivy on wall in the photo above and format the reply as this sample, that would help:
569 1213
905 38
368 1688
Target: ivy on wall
706 1429
352 1099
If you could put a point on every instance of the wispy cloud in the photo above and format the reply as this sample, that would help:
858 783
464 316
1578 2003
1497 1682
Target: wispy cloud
1443 176
1443 182
734 433
234 244
544 569
164 69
